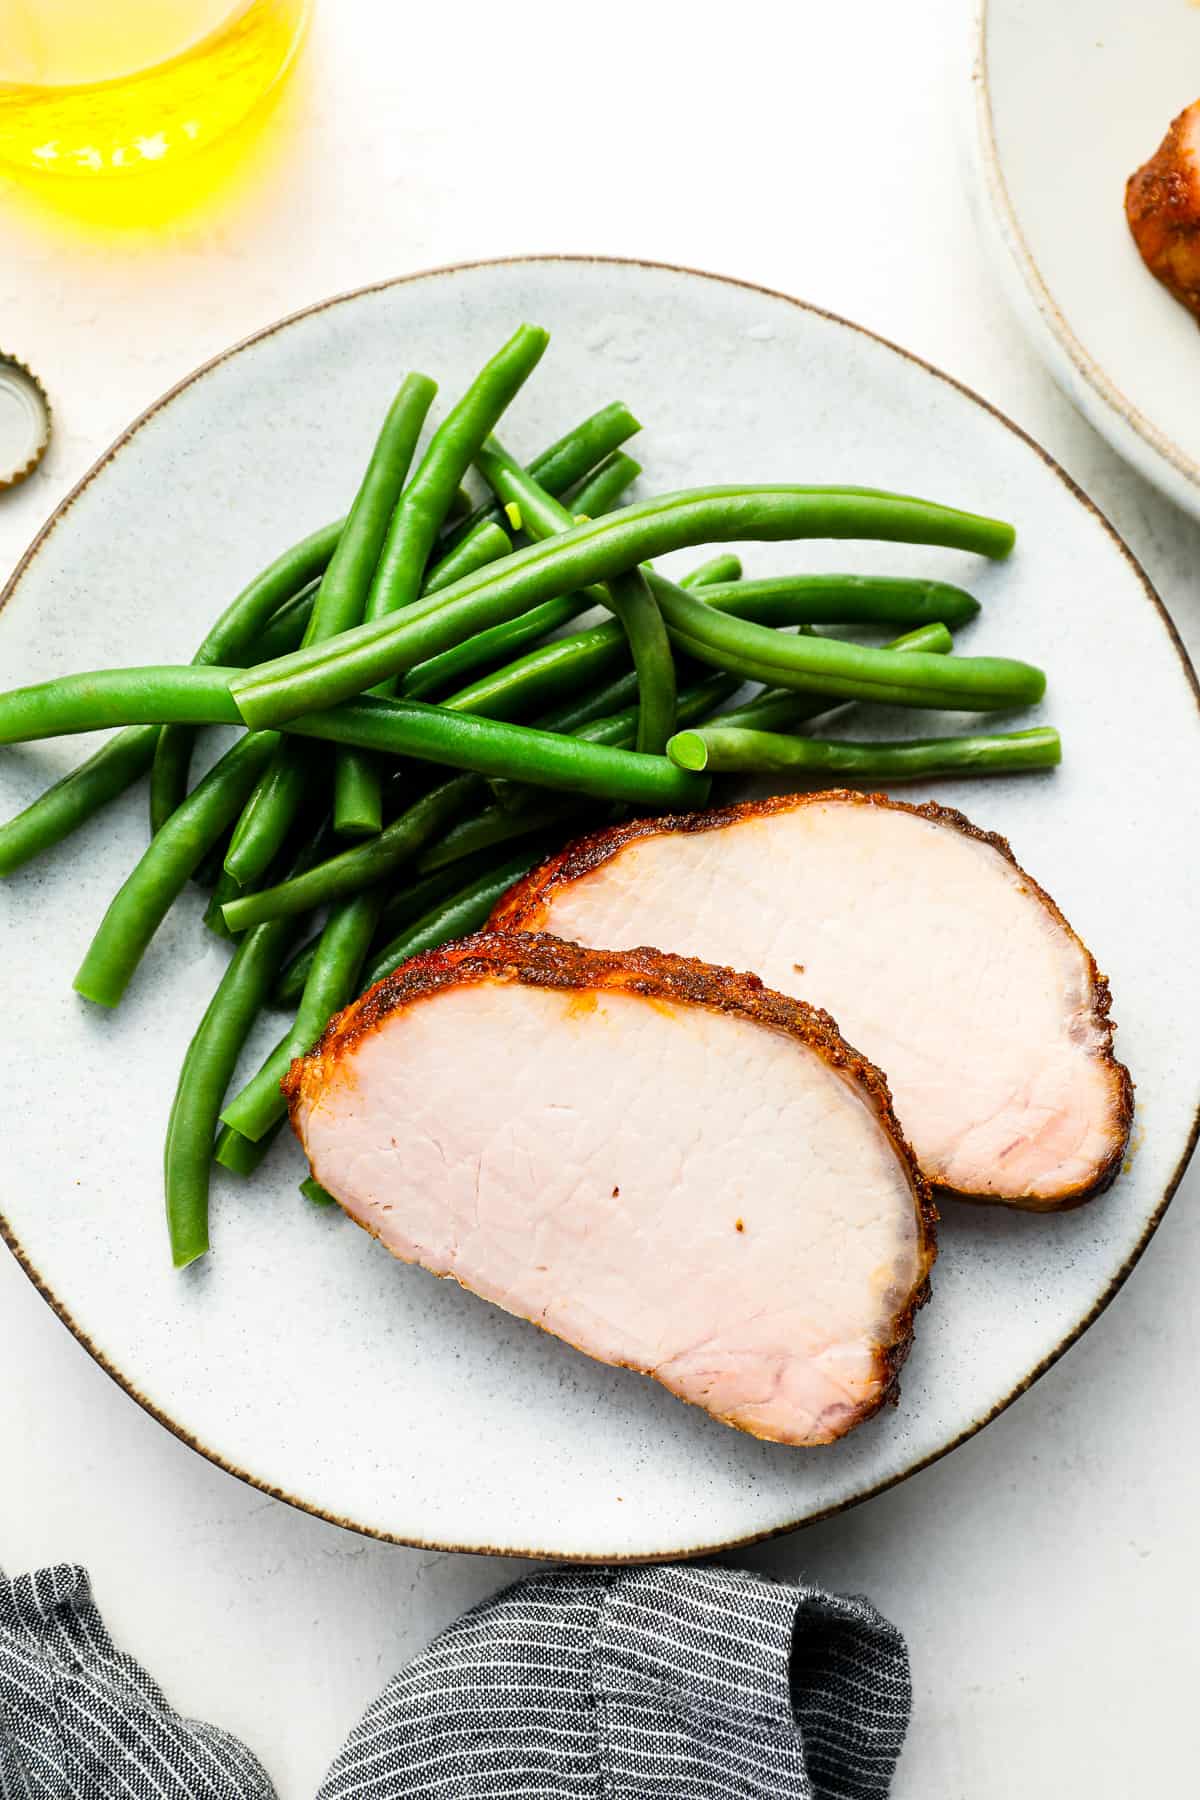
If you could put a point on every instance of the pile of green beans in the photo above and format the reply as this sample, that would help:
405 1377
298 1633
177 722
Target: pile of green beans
416 678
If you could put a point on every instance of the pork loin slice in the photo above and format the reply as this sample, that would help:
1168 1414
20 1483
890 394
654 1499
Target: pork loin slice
665 1164
939 957
1162 205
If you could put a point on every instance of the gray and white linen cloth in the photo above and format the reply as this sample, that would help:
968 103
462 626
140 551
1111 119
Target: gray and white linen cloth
671 1683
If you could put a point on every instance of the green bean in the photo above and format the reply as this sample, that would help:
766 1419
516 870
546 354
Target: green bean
206 1073
363 865
489 746
494 646
564 463
542 515
605 487
635 605
285 995
283 631
347 581
545 675
848 671
492 826
312 1190
208 870
332 983
225 888
237 1154
626 595
719 569
469 909
848 600
156 695
322 675
67 805
142 903
420 512
487 543
229 637
726 750
779 709
268 814
400 909
339 603
596 703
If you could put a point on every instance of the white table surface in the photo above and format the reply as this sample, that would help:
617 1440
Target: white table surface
1042 1573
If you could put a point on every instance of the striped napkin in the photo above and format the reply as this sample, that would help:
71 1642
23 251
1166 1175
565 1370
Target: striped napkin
672 1683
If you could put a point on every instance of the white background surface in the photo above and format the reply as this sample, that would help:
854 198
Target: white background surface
1041 1574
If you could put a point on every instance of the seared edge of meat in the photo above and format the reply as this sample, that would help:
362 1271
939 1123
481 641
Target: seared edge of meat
1162 206
536 959
526 905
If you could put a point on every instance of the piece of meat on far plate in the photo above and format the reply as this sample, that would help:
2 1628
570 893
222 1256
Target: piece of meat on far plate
1162 204
665 1164
939 957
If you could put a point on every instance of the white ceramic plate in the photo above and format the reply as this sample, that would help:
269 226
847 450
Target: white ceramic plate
1070 99
299 1355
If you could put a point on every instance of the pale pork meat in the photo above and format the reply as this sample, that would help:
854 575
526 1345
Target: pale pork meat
665 1164
938 956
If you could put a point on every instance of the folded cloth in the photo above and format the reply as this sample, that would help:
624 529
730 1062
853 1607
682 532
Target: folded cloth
80 1720
674 1683
641 1684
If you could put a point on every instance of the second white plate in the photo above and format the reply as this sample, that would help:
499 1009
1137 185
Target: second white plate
1071 98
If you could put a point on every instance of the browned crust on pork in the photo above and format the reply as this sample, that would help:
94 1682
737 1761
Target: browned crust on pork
536 959
1162 205
526 906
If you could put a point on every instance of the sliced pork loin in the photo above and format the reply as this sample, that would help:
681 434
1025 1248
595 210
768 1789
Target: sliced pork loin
1162 205
665 1164
939 957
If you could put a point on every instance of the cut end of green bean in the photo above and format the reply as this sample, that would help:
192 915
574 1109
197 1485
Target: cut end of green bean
934 640
238 1154
688 750
358 797
512 513
189 1249
94 986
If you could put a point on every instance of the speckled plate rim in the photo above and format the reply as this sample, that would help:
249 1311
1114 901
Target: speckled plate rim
1132 435
9 1235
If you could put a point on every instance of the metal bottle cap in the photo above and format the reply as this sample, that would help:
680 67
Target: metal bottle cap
24 421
